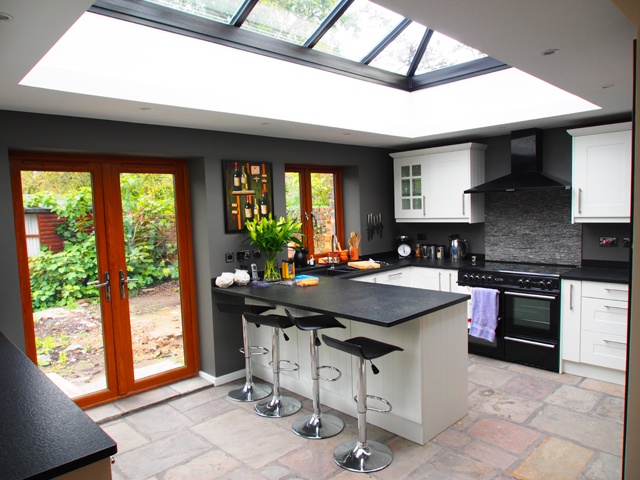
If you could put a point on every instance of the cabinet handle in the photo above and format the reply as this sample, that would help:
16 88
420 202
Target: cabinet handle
616 290
439 280
579 201
617 308
530 342
399 274
571 296
463 213
424 206
613 341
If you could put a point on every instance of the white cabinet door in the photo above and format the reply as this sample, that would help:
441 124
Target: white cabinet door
409 198
601 176
439 279
571 312
447 179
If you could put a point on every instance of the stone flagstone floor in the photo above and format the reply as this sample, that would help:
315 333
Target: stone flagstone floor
523 423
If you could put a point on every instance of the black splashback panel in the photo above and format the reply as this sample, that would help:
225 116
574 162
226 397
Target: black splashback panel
531 227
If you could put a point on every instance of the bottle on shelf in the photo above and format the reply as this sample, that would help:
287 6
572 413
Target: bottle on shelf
244 183
248 209
264 203
237 177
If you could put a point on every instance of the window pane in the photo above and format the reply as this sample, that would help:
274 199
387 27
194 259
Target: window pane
359 30
290 20
443 51
324 211
218 10
397 57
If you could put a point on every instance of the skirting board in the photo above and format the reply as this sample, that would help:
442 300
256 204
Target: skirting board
217 381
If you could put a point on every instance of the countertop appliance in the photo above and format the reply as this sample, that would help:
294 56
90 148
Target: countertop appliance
458 247
528 330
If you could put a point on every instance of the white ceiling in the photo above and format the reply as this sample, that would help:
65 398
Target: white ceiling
593 38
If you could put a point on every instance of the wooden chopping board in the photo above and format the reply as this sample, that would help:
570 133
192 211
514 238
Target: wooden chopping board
364 265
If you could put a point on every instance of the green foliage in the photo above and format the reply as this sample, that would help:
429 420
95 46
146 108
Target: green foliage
60 279
271 235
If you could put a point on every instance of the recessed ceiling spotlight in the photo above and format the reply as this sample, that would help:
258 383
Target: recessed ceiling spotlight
549 51
346 134
607 85
265 123
144 109
5 16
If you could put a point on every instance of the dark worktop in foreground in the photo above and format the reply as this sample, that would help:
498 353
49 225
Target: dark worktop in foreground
44 434
383 305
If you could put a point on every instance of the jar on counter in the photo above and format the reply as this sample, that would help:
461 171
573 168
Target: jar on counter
418 251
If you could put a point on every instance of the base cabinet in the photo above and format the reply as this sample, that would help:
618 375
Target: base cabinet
594 329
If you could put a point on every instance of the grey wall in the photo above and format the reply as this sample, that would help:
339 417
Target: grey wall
368 186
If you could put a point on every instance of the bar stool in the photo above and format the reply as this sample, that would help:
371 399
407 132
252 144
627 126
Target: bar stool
363 455
278 406
251 391
317 425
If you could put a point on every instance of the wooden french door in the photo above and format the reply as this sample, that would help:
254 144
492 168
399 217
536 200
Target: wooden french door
106 272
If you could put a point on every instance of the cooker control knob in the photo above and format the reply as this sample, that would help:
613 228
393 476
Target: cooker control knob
541 283
527 283
549 284
483 279
477 278
489 277
465 277
520 282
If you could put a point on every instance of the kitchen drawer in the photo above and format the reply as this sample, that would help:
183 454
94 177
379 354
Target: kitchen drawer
609 291
605 316
609 351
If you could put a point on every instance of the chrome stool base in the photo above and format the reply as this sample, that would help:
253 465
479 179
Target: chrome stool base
362 457
316 427
277 408
250 393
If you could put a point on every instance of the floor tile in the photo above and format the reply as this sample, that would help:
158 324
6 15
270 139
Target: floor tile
573 398
502 404
529 386
210 465
489 376
604 387
611 408
514 438
582 428
124 435
158 422
490 454
604 467
555 459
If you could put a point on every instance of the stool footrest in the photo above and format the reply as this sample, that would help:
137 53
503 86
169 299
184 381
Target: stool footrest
295 367
328 379
379 399
255 350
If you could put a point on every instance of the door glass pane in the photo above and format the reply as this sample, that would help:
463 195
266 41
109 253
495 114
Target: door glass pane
404 171
293 194
416 170
406 188
417 203
67 314
416 186
324 210
529 313
153 286
406 204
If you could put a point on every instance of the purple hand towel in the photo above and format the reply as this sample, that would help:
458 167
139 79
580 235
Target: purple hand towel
484 313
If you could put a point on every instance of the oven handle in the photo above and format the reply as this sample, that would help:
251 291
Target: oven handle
531 295
529 342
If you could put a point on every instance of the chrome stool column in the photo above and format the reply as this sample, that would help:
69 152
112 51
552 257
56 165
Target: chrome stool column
363 455
251 391
278 406
317 425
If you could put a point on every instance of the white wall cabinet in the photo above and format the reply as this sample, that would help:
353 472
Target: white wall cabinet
429 184
594 329
601 175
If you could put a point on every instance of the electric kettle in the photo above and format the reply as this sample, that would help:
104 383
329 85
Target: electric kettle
458 247
300 257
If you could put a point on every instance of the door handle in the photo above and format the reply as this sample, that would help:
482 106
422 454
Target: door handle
123 282
106 284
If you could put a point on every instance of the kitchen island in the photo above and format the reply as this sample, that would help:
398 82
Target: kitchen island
426 383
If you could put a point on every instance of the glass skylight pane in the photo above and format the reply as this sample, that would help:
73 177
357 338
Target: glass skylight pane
398 55
290 20
444 52
359 30
218 10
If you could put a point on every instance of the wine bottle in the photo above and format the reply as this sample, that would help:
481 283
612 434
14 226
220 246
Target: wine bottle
236 177
243 180
248 209
264 203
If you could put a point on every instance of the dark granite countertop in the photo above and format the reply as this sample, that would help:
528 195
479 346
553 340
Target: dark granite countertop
383 305
595 274
44 434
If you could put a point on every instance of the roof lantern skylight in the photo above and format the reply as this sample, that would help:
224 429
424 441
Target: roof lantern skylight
351 37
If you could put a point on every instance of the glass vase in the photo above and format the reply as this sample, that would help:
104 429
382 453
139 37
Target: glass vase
271 270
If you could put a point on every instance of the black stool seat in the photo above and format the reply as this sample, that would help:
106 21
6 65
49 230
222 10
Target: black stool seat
314 322
271 320
362 347
363 455
250 391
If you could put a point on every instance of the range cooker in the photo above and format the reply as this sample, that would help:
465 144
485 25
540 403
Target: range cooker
528 328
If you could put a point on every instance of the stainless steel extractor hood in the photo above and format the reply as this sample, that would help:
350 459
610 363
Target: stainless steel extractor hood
526 167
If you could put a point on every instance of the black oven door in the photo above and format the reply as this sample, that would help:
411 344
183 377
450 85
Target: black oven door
532 315
532 323
495 349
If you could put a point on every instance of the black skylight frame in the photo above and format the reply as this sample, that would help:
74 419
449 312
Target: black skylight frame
175 21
